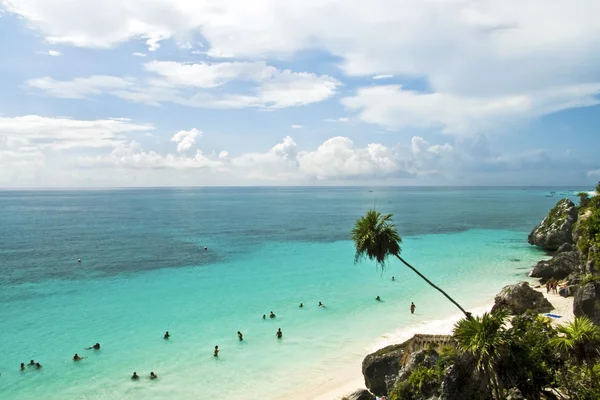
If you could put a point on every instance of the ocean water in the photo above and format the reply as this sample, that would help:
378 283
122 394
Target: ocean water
144 270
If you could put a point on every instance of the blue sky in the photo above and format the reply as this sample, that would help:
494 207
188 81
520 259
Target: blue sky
265 92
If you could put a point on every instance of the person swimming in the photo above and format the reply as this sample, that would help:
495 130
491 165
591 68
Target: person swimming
79 260
22 366
301 305
76 357
279 334
153 375
412 307
135 376
31 363
216 353
272 315
167 335
393 279
264 316
95 347
240 336
321 304
378 298
205 248
38 365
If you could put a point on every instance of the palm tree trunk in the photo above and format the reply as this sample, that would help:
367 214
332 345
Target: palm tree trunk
467 314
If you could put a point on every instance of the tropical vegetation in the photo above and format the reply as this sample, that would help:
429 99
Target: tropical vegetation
528 355
588 226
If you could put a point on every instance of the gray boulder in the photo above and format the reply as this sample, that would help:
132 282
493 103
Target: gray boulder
382 366
565 247
422 358
557 228
460 383
559 267
360 394
516 299
586 302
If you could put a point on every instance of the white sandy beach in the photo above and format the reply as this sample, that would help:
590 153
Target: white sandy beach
348 377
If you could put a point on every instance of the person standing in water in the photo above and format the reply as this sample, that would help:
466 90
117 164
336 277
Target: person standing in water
393 279
153 375
22 366
264 316
240 336
216 353
167 335
301 305
412 307
272 315
321 304
135 376
378 298
279 334
76 357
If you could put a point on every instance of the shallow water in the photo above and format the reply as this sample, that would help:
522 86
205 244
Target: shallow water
144 270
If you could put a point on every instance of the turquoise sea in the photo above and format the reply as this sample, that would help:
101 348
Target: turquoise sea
144 271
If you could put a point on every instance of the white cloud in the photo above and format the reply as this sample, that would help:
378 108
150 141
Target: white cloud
36 132
210 75
383 76
594 173
341 119
295 126
54 53
79 88
496 51
394 107
190 84
37 150
186 139
136 54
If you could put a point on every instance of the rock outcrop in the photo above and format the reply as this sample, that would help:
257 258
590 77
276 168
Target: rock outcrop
516 299
559 267
360 394
422 358
459 382
566 247
382 366
586 301
557 228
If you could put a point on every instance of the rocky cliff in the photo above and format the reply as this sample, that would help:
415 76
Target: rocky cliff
557 228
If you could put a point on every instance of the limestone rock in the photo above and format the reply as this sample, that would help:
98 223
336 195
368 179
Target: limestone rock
424 358
516 299
565 247
586 302
559 267
459 382
381 366
359 394
557 228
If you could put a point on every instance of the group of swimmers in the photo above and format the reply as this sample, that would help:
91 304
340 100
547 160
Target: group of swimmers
32 363
167 335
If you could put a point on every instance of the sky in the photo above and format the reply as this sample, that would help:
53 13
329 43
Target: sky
278 92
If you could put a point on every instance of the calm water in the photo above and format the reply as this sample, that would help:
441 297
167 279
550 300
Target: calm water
144 270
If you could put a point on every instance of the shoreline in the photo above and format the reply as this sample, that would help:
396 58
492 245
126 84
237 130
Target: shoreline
335 388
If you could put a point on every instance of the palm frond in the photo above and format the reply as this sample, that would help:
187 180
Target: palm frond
375 237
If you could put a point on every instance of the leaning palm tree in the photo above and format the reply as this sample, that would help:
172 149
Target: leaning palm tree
376 237
483 337
580 339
